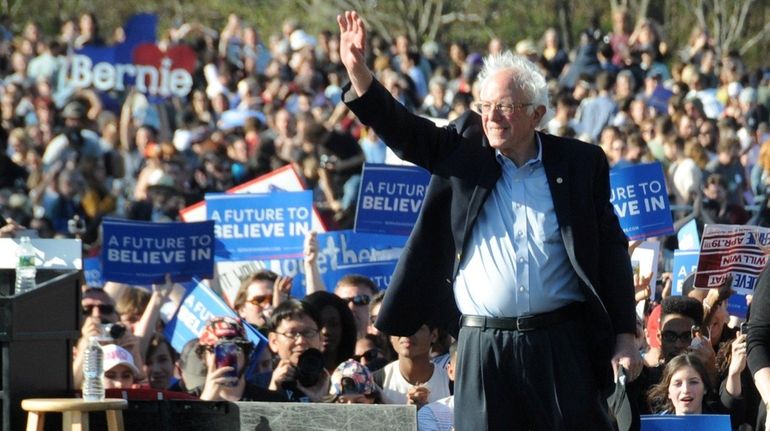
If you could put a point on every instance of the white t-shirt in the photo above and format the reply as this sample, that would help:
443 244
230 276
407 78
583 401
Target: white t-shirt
395 387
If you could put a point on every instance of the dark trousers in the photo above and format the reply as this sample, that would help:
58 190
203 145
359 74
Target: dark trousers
531 380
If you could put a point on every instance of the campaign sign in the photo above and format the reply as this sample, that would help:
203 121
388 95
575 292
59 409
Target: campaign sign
199 305
688 236
390 198
638 194
92 271
143 253
732 249
685 263
281 179
339 253
685 423
260 226
137 61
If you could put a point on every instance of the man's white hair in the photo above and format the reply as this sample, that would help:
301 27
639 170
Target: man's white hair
527 77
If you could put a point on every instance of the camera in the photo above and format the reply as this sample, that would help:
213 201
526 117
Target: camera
76 226
310 366
112 331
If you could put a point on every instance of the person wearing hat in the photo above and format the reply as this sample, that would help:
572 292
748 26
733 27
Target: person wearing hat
119 369
352 383
75 141
228 383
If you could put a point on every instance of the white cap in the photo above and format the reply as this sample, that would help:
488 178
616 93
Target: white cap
115 355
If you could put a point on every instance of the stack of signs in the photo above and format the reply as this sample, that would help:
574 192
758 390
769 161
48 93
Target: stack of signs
260 226
639 196
339 253
143 253
390 198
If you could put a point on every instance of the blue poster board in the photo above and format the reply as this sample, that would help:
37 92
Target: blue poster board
390 198
638 194
92 271
685 263
199 305
685 423
259 225
137 252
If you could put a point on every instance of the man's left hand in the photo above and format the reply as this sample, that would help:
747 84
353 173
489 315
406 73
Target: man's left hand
627 356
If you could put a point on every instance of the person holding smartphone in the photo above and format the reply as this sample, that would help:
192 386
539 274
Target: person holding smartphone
224 348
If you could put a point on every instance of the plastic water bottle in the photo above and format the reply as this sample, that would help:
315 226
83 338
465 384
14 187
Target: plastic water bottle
25 266
93 368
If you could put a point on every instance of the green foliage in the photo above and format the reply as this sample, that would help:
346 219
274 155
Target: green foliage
473 21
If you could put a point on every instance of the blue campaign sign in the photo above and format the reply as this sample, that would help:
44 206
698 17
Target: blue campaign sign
144 252
342 253
639 196
688 237
685 263
390 198
736 305
199 305
260 225
92 271
685 423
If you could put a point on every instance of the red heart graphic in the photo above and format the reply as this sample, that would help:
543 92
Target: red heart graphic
181 56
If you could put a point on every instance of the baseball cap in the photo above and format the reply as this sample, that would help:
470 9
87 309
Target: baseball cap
223 328
115 355
74 110
350 377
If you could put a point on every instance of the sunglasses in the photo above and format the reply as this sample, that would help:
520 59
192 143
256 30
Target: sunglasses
370 355
671 336
103 309
359 299
261 300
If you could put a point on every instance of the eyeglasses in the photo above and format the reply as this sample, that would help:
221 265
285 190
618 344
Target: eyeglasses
369 355
103 309
671 336
359 299
486 108
261 300
306 334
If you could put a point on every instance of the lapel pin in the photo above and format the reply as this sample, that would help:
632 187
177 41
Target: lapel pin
559 180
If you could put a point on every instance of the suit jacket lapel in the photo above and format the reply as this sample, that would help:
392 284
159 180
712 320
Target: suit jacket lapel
557 172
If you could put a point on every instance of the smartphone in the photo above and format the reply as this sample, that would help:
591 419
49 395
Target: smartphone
226 355
745 328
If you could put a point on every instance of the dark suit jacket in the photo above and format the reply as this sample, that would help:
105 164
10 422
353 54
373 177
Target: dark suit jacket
464 171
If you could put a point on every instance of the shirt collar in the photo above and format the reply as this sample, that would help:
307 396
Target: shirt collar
531 162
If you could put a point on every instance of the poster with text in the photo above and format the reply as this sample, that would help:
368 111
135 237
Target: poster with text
638 194
732 249
259 225
390 198
136 252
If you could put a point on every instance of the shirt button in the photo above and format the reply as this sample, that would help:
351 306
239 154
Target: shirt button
518 204
520 234
459 255
521 288
521 259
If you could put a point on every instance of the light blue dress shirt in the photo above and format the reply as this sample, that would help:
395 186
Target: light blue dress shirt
515 263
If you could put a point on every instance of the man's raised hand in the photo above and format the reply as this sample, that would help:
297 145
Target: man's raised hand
353 50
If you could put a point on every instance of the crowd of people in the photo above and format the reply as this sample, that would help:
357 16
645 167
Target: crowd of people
68 158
